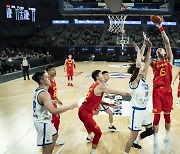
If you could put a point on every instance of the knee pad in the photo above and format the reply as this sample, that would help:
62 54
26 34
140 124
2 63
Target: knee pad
148 132
156 119
167 118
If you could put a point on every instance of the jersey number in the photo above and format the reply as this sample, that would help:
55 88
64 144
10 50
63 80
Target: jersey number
162 72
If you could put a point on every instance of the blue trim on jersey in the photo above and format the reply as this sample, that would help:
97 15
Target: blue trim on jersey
133 118
104 107
138 108
44 144
135 87
148 124
134 130
133 122
44 131
54 134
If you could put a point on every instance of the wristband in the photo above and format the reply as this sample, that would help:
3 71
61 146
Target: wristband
161 29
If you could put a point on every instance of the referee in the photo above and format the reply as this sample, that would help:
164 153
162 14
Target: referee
25 66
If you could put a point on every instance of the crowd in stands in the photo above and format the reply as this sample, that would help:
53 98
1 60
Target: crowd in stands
11 58
46 36
69 36
98 35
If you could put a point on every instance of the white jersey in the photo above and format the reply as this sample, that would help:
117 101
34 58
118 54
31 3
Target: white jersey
40 113
25 63
140 94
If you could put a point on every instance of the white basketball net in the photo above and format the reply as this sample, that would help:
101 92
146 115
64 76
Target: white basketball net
116 23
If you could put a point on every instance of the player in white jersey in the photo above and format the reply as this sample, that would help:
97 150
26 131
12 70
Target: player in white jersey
42 111
139 93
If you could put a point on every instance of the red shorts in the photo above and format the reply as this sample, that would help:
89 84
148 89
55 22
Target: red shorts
162 100
87 118
55 119
70 72
178 94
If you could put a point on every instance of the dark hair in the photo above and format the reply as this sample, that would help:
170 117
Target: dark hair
49 67
95 74
104 72
131 68
38 76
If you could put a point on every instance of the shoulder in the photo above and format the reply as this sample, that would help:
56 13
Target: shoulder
101 86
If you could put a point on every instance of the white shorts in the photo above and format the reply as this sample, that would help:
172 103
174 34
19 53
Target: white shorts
104 107
138 119
45 133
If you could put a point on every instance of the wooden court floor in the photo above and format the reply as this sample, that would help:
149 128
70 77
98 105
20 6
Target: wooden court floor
18 135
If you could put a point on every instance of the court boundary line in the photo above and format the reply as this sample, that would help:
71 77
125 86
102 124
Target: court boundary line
103 130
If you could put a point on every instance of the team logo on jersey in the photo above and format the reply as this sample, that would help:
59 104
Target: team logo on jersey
115 75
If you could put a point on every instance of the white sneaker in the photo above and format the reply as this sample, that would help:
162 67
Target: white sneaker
167 145
59 142
156 149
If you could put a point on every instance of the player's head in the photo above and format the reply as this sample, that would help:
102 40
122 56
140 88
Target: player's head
24 57
161 53
51 70
96 75
70 56
131 68
41 78
105 75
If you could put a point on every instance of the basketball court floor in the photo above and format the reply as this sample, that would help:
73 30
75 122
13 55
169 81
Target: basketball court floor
18 135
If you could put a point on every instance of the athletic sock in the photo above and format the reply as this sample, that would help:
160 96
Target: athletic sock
167 134
156 138
93 151
111 124
137 140
89 135
125 152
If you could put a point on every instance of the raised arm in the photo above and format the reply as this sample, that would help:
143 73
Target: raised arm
169 55
137 68
143 46
138 59
147 59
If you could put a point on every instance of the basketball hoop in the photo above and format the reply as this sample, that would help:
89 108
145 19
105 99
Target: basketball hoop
116 23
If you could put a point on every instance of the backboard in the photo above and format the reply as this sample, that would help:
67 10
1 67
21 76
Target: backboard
133 7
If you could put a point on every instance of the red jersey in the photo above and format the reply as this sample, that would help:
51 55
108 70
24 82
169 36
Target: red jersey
91 102
70 63
162 74
53 89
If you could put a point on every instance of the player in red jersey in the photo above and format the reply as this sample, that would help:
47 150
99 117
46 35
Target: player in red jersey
51 70
91 104
162 92
178 94
69 65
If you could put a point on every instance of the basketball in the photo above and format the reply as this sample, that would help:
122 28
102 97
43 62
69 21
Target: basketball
156 19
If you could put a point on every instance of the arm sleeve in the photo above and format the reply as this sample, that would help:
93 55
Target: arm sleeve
135 74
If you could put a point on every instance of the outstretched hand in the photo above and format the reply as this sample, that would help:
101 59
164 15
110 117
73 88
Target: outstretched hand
136 47
148 43
144 36
160 24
